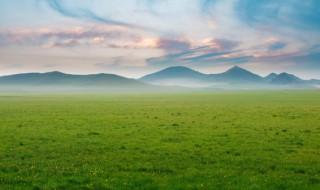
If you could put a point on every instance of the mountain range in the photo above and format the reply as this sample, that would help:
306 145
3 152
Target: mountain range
59 78
58 81
236 77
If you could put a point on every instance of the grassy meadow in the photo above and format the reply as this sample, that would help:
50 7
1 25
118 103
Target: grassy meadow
222 140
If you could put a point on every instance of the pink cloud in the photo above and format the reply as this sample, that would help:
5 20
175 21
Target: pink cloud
97 36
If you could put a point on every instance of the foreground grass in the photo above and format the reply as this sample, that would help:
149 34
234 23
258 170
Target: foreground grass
229 140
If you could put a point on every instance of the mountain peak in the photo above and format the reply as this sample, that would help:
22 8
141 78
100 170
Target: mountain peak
175 72
286 78
177 68
285 74
237 74
236 69
271 76
55 73
179 71
288 75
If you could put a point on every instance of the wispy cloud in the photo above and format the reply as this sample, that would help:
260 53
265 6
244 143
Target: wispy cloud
86 14
277 46
228 52
287 13
173 45
96 36
201 33
202 53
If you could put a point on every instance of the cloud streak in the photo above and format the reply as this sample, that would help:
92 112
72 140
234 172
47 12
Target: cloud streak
202 53
96 36
295 14
173 45
87 14
223 52
90 36
201 33
277 46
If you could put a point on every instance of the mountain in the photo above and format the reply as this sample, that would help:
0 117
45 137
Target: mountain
270 77
314 81
174 72
183 76
237 75
173 78
286 79
179 76
58 79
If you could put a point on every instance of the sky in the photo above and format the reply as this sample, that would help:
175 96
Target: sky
135 37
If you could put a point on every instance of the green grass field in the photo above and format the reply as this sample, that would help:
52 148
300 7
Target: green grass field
224 140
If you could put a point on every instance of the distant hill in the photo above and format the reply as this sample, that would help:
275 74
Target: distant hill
183 76
314 81
286 79
233 77
173 78
174 72
237 75
180 76
58 79
270 77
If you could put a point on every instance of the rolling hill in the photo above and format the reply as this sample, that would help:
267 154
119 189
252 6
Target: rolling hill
177 76
234 77
184 76
237 75
60 80
172 77
270 77
286 79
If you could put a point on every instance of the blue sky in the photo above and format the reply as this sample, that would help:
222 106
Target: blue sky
135 37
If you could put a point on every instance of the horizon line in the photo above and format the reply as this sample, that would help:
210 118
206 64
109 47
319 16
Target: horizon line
236 66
